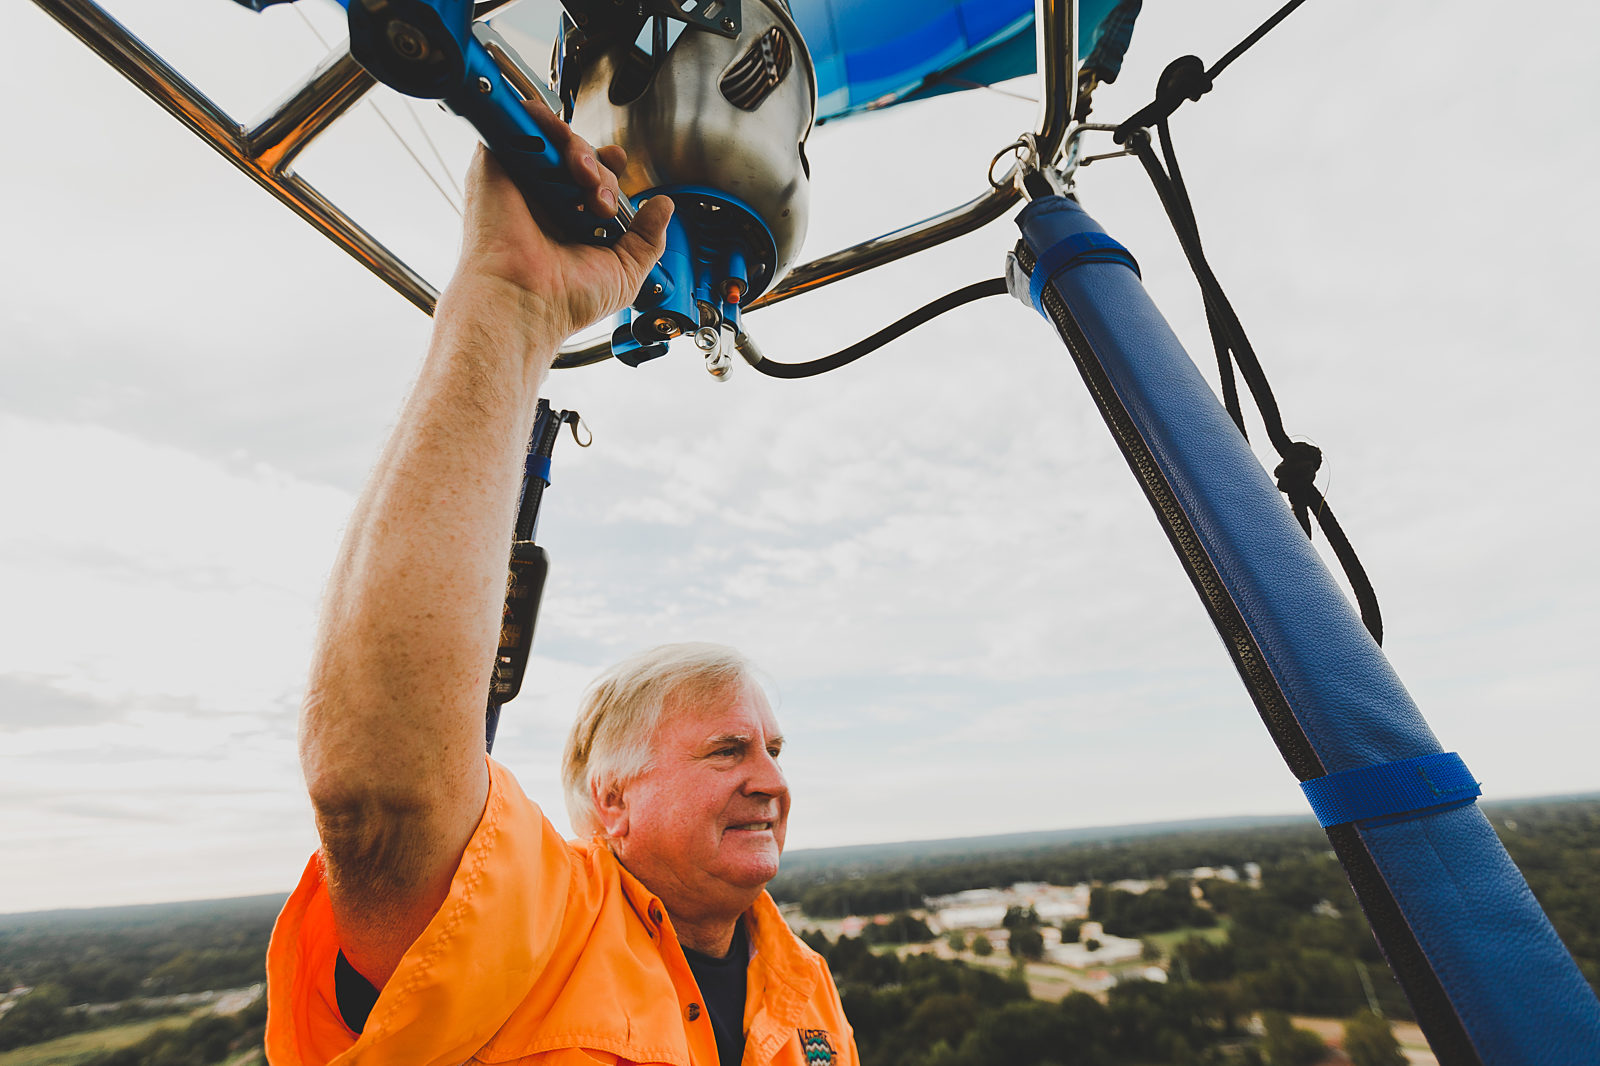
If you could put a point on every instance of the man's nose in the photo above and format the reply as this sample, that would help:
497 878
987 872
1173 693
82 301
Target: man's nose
766 777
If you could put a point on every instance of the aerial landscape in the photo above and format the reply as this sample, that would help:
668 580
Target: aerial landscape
1169 944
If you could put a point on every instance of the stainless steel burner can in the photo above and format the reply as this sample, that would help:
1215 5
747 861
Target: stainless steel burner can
729 114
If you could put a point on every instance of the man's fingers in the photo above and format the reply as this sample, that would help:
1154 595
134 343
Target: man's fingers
547 120
613 158
604 200
597 186
641 247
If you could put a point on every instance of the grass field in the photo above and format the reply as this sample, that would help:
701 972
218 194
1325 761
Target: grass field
1169 940
76 1048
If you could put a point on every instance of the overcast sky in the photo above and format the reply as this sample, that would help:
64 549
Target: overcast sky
973 623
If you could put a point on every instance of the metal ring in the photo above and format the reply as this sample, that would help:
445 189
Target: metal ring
1018 146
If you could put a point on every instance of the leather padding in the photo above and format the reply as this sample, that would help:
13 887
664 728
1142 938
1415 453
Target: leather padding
1490 980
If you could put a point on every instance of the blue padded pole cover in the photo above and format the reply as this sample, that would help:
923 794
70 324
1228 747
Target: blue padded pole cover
1489 979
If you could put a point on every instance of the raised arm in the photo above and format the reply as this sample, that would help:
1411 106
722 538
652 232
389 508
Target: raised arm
391 732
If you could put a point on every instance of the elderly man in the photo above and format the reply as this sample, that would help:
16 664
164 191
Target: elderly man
444 920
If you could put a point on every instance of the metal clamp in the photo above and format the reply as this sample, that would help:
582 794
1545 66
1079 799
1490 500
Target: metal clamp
1071 160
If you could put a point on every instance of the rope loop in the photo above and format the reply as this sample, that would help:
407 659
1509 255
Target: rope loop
1297 474
1297 479
1185 78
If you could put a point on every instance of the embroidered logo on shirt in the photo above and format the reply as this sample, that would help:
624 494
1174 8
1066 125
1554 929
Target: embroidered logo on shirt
817 1046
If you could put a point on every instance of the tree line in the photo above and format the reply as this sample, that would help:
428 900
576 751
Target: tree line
924 1011
1556 844
1298 944
126 955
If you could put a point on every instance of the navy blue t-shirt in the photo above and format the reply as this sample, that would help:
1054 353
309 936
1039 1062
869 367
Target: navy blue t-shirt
722 986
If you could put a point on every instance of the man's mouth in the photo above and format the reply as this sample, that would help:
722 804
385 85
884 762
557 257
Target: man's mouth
750 827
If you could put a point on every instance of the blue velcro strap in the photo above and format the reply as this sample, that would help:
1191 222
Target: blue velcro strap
1074 251
538 466
1392 792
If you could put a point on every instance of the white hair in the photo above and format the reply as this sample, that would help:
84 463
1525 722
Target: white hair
611 742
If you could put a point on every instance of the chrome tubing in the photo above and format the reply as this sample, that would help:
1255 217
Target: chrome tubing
583 355
1056 38
336 86
264 152
1056 25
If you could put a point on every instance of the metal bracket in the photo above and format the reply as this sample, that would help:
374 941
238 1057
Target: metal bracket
1031 175
1072 160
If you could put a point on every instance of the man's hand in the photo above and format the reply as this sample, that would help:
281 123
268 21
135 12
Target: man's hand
567 286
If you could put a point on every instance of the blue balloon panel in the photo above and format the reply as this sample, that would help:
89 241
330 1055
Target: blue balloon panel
871 54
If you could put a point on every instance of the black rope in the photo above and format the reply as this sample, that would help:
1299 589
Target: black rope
1187 78
1180 201
1260 32
933 309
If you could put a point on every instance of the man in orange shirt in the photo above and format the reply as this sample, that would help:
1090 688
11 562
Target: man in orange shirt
444 920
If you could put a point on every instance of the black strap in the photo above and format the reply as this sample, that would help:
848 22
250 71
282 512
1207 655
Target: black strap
1187 78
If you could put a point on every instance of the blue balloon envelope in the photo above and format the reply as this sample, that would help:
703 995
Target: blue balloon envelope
871 54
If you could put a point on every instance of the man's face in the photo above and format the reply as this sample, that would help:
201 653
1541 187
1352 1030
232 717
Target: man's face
704 826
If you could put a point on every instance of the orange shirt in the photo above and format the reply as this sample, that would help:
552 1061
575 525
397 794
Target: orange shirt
548 952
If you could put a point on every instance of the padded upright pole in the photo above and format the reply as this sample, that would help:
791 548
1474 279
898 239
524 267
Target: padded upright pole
1490 981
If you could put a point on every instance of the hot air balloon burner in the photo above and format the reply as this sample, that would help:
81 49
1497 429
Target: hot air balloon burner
719 124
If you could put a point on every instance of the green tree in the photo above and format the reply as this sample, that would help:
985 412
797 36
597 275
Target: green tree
39 1015
1287 1046
1020 918
903 928
981 946
957 939
1027 943
942 1017
1369 1041
1199 959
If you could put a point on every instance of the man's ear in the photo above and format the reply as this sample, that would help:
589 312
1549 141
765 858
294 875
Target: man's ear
611 805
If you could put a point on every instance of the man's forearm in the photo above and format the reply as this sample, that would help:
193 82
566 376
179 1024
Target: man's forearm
394 708
391 734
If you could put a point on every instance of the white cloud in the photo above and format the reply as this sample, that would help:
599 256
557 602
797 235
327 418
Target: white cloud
974 623
140 570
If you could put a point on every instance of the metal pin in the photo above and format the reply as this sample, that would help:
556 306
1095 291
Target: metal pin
485 85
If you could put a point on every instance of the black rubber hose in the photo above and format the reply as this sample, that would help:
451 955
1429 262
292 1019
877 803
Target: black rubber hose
976 291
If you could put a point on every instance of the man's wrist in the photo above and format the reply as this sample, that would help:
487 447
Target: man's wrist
505 314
